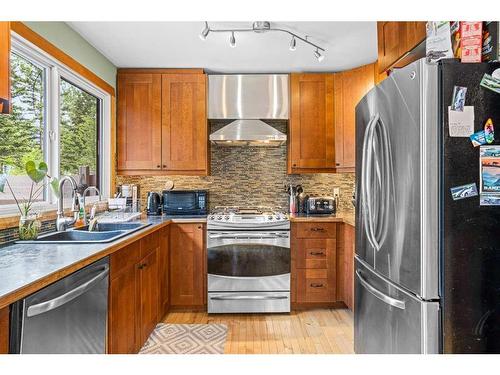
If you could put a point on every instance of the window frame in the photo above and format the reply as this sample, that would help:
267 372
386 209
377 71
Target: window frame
54 72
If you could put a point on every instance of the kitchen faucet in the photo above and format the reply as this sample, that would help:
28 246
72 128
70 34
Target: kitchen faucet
62 221
92 210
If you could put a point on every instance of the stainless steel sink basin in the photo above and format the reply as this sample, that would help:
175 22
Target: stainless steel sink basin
105 232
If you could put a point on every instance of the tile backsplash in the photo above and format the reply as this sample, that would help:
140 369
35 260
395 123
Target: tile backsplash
250 176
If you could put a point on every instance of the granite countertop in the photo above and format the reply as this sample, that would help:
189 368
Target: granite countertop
25 268
339 217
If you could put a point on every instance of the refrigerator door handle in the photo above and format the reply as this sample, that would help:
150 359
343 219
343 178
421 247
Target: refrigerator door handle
377 293
366 182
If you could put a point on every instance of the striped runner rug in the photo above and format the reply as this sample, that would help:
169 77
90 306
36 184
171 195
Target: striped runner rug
186 339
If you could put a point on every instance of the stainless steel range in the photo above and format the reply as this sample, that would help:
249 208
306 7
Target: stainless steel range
248 260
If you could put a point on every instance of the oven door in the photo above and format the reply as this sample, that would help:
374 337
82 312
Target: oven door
248 261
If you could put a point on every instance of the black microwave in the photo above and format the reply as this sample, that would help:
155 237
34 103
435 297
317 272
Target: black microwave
185 202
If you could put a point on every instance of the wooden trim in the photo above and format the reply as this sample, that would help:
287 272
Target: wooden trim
42 43
5 102
140 172
161 70
4 330
112 151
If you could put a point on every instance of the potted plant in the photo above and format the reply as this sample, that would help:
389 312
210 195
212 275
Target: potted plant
29 223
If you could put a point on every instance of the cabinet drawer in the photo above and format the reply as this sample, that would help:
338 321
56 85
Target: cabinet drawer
124 258
315 253
150 243
316 230
315 286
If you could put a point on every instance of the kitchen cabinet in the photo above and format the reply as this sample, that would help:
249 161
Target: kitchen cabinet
133 295
162 126
184 124
311 146
139 122
188 275
164 271
345 259
350 87
314 257
4 330
395 39
5 96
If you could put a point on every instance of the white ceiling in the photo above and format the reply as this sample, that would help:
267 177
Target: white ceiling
177 45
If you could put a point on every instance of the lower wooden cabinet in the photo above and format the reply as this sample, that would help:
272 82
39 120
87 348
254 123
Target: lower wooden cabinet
314 263
133 295
164 271
348 263
188 278
4 330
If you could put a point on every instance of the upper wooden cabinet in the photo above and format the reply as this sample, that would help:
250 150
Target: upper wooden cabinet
395 39
350 87
5 99
184 123
162 125
139 122
312 134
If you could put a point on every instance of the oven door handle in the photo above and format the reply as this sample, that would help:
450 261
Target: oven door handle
232 298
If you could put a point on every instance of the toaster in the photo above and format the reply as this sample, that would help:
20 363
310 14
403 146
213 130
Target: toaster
321 206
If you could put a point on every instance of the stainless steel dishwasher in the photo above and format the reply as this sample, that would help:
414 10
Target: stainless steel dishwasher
68 316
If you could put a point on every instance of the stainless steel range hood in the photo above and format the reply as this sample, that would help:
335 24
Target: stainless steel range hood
248 99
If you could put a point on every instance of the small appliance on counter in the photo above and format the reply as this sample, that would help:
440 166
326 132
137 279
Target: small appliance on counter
185 202
153 204
131 194
322 205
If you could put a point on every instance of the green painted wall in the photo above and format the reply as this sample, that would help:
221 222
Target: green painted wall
69 41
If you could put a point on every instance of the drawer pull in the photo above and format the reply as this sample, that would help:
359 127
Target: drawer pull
316 285
317 253
317 229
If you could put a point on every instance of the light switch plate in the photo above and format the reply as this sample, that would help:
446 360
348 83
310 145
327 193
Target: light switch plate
336 192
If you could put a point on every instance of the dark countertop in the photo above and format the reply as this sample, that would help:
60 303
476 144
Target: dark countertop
25 268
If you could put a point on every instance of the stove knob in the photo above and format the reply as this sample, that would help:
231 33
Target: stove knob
212 217
278 217
219 217
226 217
270 217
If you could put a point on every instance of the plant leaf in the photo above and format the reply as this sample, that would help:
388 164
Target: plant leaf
3 181
36 174
54 184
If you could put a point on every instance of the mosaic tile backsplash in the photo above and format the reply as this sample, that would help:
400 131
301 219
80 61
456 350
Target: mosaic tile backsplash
250 176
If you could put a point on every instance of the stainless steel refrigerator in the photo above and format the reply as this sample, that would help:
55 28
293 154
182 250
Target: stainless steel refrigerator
425 264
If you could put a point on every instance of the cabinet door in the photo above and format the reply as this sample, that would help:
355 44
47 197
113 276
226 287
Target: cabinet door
163 271
415 32
139 121
184 124
389 43
123 317
348 284
4 330
187 265
312 135
5 103
149 292
315 286
350 87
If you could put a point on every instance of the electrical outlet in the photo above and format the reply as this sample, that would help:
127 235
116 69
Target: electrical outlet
336 192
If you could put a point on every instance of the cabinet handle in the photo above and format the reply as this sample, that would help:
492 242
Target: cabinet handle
158 166
317 253
318 229
200 227
294 165
337 164
316 285
164 166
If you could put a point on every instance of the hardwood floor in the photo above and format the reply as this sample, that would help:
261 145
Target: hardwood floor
320 331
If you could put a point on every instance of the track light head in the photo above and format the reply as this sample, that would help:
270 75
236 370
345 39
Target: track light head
232 40
318 55
205 31
293 44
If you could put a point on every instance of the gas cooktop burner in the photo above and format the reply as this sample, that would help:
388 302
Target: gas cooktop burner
231 217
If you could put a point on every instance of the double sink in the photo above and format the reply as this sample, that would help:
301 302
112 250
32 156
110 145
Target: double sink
102 233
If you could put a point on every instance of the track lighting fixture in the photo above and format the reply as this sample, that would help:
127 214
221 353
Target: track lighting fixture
261 27
232 40
204 32
318 55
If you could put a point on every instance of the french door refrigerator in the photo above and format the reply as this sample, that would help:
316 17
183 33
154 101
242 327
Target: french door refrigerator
427 267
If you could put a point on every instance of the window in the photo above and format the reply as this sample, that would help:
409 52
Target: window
58 117
22 134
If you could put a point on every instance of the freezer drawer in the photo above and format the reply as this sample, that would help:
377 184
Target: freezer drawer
390 320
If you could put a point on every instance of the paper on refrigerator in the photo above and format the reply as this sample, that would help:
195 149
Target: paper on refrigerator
461 123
